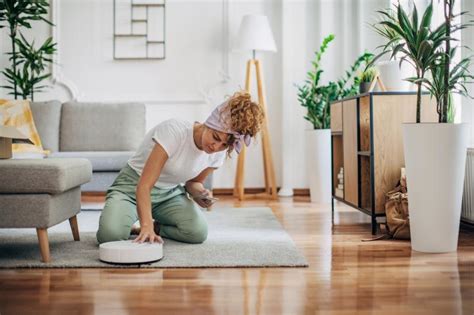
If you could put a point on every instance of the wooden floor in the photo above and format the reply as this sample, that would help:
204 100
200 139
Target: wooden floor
345 276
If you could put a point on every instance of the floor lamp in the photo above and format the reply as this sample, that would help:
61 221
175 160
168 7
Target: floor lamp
255 35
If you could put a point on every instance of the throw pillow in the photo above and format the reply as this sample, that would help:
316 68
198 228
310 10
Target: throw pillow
18 113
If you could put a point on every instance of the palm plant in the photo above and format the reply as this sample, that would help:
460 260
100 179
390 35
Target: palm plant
454 79
457 77
417 43
448 78
386 32
317 98
16 14
33 62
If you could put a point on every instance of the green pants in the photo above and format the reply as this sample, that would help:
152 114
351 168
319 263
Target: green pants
180 218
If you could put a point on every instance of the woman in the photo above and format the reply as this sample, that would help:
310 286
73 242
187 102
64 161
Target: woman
174 152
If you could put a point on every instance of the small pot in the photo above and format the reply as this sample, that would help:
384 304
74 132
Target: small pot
364 87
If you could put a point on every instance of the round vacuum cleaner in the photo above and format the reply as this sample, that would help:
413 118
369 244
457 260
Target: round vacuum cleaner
128 252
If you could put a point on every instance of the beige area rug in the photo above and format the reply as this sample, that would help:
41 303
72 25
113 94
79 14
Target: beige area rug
238 237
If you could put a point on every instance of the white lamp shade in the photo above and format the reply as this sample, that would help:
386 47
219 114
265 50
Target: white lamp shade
255 34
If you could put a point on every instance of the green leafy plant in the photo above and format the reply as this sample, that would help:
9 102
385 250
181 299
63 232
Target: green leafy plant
27 62
368 75
387 32
458 77
453 79
317 98
416 42
32 64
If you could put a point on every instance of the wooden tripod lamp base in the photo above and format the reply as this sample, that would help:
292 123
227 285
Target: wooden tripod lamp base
269 171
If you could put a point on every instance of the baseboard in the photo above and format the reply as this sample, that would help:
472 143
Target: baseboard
216 191
301 192
93 193
251 191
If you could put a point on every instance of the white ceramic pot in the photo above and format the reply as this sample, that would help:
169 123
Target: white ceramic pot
393 77
318 164
435 158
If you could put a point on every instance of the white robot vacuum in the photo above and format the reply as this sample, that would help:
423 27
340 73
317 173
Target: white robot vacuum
128 252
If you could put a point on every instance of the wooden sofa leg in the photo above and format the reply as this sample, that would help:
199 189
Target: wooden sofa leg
44 244
74 228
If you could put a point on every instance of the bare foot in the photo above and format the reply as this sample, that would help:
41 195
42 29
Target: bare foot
135 230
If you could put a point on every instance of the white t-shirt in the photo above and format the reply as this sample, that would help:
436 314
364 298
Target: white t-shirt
185 160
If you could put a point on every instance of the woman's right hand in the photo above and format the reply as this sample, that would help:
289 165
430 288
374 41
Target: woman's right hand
148 234
201 198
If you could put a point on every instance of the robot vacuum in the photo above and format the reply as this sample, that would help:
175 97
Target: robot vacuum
128 252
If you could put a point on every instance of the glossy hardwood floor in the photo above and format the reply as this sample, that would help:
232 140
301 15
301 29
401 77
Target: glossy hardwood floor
345 276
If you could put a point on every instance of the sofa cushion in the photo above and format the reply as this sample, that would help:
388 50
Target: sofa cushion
47 117
101 126
100 182
51 176
111 161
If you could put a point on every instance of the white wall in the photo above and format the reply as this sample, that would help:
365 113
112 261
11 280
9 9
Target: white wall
193 77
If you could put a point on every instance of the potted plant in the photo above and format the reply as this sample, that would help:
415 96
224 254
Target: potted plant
435 153
28 63
316 99
366 78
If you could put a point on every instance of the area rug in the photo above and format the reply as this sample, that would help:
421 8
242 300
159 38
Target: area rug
238 237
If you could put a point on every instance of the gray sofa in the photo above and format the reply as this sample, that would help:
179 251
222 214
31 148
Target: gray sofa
42 193
106 134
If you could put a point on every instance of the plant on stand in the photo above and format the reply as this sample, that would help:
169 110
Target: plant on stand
435 153
317 98
28 64
366 79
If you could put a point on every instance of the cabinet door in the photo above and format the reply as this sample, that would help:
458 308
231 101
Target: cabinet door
336 117
349 132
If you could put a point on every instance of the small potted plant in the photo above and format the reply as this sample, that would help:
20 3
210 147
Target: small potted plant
366 78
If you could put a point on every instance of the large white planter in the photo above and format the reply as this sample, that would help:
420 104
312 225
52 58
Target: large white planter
435 158
393 77
318 164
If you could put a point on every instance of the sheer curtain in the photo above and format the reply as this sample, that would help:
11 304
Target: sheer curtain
467 39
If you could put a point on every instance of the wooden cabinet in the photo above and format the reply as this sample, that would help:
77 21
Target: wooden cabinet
367 144
336 117
349 131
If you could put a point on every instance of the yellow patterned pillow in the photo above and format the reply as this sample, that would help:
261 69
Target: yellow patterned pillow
18 113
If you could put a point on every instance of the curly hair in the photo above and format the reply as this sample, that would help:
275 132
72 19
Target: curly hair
243 116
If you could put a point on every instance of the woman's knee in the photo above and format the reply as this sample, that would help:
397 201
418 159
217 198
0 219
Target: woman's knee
196 230
111 229
116 219
111 232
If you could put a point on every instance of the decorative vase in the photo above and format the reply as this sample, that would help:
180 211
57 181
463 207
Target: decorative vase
393 77
435 158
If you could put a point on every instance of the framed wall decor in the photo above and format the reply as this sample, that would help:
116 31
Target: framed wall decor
139 29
